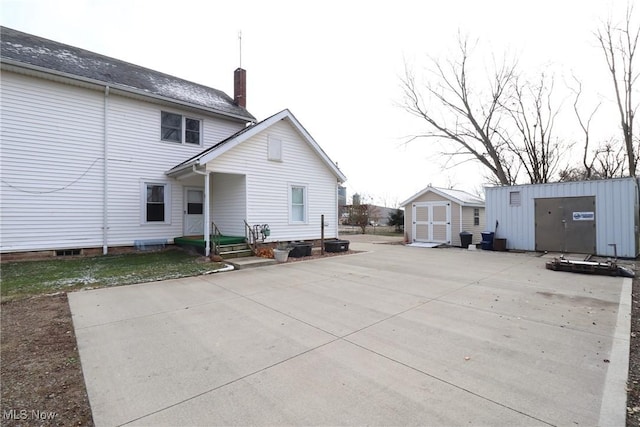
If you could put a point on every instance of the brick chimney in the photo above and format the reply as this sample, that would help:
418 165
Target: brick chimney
240 87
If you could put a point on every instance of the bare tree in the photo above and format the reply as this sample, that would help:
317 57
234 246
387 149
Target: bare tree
585 125
506 124
471 118
619 45
533 115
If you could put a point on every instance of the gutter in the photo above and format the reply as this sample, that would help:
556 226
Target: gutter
184 168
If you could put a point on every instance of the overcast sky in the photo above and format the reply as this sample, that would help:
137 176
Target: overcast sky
337 64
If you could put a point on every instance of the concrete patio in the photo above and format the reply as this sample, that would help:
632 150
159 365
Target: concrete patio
391 336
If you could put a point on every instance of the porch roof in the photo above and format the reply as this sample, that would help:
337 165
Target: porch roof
253 129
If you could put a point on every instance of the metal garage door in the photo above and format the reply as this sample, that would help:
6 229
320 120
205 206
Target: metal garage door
566 224
431 222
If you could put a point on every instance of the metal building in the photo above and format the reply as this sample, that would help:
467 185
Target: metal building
582 217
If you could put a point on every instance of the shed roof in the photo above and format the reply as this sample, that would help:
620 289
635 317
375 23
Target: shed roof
29 51
242 135
460 197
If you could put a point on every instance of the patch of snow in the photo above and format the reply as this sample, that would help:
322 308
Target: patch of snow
188 92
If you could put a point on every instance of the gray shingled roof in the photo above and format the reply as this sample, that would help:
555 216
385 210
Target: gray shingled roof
61 58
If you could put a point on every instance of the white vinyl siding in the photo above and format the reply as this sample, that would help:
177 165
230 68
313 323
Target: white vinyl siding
268 183
52 165
229 197
143 158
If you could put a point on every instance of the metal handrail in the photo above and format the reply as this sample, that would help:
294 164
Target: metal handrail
217 235
251 237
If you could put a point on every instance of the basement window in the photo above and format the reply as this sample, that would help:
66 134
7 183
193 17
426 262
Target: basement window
514 198
68 252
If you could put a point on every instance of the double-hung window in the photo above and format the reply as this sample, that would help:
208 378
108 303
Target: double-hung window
298 205
180 129
156 203
476 216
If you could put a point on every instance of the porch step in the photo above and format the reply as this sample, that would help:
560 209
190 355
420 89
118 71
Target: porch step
235 251
251 262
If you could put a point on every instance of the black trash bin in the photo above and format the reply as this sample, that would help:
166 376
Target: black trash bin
300 249
465 239
487 240
336 246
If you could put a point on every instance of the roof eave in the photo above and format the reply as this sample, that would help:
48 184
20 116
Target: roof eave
8 63
442 194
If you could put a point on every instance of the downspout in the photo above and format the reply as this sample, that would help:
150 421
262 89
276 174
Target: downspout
207 220
105 179
336 227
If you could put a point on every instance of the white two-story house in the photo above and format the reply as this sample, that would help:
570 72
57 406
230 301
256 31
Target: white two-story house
97 153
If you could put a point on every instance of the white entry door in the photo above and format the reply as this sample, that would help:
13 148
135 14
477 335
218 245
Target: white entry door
431 222
193 212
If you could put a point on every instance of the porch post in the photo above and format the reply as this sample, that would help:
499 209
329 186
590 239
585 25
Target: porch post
207 218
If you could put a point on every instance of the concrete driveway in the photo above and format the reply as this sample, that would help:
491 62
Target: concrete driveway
392 336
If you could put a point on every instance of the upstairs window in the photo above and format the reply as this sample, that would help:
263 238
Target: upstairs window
180 129
192 131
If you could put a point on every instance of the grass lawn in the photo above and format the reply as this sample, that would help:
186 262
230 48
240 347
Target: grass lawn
26 278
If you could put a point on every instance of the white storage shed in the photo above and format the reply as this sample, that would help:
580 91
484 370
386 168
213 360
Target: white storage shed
439 215
582 217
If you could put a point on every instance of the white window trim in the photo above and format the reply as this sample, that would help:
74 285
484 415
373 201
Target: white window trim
183 136
305 193
476 217
143 202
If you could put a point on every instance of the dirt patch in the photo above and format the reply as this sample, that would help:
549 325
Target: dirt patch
42 381
633 382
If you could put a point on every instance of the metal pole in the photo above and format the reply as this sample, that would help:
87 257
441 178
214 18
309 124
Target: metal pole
322 234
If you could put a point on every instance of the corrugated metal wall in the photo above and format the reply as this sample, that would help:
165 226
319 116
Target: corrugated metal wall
616 212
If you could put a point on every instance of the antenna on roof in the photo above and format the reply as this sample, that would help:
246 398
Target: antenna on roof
240 46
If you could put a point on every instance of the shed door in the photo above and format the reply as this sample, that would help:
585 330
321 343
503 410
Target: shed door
566 224
431 222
